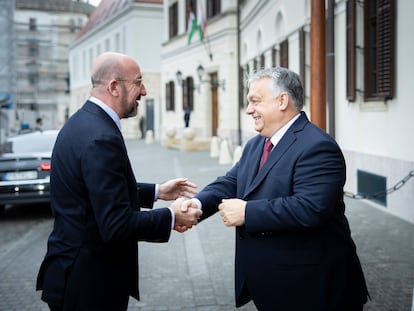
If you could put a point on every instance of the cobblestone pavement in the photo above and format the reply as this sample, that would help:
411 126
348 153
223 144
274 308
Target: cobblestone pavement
194 270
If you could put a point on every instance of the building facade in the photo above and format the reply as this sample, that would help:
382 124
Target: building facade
201 73
7 69
131 27
368 79
43 31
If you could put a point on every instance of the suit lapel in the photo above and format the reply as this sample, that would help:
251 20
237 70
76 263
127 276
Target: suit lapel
257 146
280 149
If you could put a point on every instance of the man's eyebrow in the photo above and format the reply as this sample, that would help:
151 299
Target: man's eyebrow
253 97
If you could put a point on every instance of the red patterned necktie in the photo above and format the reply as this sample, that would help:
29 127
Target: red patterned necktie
266 150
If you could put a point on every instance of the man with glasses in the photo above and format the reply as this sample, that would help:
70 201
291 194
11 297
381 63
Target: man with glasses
92 261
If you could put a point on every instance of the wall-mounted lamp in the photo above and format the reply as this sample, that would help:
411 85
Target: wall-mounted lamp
179 77
213 83
180 80
200 74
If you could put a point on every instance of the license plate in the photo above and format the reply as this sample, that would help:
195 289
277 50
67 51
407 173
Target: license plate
20 175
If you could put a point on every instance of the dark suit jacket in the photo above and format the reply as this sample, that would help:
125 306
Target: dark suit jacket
295 250
96 204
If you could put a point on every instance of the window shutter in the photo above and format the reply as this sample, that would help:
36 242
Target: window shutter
169 96
284 54
188 92
385 53
351 50
379 49
274 57
173 20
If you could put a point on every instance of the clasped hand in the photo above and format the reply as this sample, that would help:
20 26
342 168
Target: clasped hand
232 212
180 190
186 214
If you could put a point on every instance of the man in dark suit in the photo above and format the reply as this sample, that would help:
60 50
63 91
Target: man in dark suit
294 249
92 261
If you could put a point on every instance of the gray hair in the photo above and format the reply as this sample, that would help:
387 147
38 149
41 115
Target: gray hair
283 80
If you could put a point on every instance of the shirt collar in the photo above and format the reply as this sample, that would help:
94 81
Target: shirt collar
114 116
279 134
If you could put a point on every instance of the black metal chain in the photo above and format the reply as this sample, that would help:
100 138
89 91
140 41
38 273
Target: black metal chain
381 194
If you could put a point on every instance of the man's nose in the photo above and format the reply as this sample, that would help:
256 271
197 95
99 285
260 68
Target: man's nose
249 109
143 90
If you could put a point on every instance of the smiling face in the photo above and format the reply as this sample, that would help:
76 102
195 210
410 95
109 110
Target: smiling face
117 81
132 88
266 109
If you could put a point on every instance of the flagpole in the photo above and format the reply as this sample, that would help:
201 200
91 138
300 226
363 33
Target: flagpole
206 41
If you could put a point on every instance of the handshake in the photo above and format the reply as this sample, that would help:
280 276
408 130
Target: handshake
187 212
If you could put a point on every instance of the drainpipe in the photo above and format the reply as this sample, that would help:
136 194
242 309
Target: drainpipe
330 60
239 77
318 64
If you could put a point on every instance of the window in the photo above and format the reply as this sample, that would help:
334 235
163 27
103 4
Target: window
117 42
274 57
170 96
262 61
213 8
173 20
72 27
379 49
188 92
80 23
284 54
32 24
243 84
33 48
33 78
351 50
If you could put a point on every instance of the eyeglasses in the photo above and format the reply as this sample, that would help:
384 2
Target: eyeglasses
136 81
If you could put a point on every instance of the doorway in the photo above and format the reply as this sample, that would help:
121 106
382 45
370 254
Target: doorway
214 104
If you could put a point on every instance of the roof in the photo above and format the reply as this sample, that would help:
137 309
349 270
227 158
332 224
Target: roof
105 10
66 6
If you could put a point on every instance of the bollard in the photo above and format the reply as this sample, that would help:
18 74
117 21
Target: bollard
149 137
214 147
237 154
225 154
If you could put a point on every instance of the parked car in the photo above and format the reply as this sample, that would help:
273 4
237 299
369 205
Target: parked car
25 168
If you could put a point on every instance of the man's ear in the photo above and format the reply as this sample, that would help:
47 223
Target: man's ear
283 101
112 87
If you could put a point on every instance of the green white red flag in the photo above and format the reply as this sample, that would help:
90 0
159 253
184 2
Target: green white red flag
196 24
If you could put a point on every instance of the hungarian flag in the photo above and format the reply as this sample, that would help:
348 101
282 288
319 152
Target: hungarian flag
196 24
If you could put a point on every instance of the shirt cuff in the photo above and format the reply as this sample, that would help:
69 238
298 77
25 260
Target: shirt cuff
156 192
172 217
197 202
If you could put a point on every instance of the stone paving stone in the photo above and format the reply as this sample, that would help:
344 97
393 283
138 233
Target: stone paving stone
194 271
